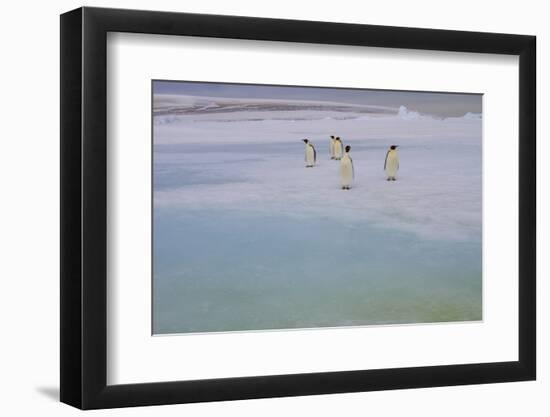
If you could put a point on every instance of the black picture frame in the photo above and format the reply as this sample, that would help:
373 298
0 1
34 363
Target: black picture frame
84 207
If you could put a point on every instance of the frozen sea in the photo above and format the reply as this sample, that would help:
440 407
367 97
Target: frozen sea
246 238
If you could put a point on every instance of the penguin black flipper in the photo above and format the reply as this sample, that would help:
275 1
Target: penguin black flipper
314 154
352 169
386 160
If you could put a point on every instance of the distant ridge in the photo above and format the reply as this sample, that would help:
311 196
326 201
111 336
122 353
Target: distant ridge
167 104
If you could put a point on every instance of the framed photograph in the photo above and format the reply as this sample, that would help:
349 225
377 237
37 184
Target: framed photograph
256 208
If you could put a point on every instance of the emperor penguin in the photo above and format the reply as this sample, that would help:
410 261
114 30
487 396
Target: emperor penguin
346 170
391 164
331 146
338 148
311 155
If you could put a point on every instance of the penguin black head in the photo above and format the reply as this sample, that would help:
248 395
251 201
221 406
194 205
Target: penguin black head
337 137
393 147
332 136
348 148
305 140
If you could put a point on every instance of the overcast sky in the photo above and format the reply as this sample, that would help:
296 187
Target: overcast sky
441 104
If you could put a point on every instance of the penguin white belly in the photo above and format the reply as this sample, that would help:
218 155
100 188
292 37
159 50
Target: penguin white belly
338 150
331 148
310 155
392 164
346 171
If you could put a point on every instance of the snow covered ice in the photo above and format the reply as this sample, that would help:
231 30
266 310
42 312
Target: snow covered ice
253 161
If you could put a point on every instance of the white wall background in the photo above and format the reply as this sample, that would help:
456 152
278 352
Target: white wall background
29 237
